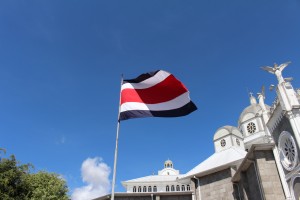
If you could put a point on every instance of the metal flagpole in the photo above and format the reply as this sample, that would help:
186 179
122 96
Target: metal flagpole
116 149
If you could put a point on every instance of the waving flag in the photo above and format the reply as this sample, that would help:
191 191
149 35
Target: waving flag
154 94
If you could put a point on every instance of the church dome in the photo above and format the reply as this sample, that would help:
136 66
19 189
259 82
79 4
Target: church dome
255 109
250 112
227 130
168 164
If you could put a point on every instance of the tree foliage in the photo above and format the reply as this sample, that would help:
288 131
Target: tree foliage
44 185
18 183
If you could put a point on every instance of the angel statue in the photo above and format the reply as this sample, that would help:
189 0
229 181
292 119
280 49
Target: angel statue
277 70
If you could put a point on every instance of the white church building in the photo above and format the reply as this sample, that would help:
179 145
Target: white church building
165 181
256 160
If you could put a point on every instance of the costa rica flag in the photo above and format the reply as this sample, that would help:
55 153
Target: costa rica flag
154 94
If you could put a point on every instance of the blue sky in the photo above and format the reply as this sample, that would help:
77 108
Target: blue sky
61 64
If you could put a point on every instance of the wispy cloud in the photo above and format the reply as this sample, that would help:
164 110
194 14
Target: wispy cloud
95 173
61 140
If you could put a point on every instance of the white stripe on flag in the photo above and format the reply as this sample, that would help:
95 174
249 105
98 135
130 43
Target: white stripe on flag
157 78
178 102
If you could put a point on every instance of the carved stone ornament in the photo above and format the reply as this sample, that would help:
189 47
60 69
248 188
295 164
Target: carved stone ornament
287 151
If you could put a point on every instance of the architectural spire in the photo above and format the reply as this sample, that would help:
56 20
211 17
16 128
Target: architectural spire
261 99
252 99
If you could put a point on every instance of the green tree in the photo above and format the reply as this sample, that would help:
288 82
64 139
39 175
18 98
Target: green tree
48 186
18 183
12 179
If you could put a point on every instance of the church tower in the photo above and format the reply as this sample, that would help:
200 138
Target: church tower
284 126
252 122
228 137
168 170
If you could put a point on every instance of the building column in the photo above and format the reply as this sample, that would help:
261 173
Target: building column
284 184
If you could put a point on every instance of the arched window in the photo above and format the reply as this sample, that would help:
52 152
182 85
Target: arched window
139 189
144 189
154 189
182 188
188 187
167 188
177 188
172 188
134 189
149 189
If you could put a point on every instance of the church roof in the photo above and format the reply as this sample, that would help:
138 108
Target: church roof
217 161
154 178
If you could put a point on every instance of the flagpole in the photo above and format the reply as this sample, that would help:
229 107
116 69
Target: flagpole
116 149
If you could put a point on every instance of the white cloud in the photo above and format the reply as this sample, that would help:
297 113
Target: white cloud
95 173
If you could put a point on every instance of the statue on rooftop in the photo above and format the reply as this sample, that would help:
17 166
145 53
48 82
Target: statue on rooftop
277 70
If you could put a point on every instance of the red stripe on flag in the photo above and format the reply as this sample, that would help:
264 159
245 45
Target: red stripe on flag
166 90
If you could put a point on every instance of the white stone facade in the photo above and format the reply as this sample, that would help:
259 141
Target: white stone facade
165 181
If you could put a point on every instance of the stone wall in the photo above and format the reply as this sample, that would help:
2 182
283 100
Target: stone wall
156 197
260 180
249 185
175 197
147 196
133 198
269 175
216 186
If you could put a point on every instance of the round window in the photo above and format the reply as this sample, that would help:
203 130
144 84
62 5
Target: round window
287 151
251 128
223 143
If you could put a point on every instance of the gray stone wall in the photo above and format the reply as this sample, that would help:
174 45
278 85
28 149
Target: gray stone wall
176 197
156 197
216 186
145 196
242 187
269 175
249 185
261 179
133 198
